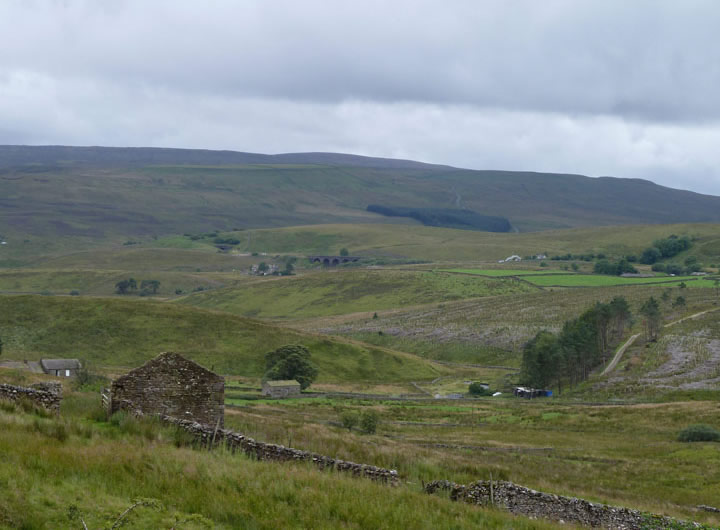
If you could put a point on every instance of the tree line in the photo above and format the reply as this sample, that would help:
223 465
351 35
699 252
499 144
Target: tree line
665 248
568 357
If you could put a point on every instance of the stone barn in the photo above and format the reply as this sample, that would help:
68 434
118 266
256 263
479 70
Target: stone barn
281 389
174 386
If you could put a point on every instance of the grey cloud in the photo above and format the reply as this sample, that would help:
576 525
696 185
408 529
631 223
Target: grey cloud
598 88
648 59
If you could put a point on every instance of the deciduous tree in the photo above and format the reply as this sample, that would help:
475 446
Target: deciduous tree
290 362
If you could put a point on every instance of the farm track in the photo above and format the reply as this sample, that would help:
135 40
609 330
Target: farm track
616 359
618 356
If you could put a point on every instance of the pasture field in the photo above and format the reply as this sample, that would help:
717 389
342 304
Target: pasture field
560 278
469 249
622 454
444 244
598 280
349 291
507 272
113 334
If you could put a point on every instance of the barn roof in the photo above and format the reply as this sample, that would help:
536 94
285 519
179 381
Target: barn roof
170 359
286 382
60 364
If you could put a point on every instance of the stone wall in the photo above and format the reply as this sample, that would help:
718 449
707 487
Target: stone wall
45 395
530 503
174 386
209 437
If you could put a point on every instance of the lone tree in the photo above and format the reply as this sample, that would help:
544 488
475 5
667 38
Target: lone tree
291 361
344 252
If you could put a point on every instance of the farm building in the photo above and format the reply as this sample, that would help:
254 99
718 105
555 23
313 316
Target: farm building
60 367
173 386
281 389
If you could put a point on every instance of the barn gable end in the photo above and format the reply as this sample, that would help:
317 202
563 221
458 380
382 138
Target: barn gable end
173 386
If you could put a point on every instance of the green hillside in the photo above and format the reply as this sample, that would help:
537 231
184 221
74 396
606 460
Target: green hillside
89 194
444 244
351 291
120 333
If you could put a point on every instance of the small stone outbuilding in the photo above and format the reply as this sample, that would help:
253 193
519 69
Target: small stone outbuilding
281 389
60 367
174 386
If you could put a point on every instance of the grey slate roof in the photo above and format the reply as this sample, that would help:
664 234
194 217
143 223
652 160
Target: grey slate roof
286 382
60 364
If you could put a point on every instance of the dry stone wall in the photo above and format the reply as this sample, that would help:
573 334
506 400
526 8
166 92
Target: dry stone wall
530 503
45 395
209 437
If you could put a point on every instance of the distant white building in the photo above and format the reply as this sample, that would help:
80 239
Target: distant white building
514 257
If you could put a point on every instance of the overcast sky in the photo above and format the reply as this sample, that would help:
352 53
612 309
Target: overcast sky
621 88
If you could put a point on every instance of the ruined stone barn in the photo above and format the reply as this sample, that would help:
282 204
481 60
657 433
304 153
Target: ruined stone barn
174 386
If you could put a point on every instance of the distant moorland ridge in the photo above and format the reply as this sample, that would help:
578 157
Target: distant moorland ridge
100 192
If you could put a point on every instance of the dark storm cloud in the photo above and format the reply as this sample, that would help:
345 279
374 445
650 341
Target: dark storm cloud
594 87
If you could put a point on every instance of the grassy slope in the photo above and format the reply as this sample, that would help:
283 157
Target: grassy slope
348 291
119 333
624 455
178 253
49 465
102 282
462 330
435 244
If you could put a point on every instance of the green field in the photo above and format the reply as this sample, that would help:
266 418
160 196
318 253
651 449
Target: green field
505 273
112 333
596 280
349 291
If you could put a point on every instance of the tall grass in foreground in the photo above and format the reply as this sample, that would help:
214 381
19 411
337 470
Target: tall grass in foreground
95 470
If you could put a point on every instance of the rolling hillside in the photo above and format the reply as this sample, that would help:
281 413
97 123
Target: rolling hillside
91 194
120 333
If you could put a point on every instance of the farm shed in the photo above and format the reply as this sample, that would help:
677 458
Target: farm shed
281 389
174 386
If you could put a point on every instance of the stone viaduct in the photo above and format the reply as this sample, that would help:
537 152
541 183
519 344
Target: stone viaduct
331 261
